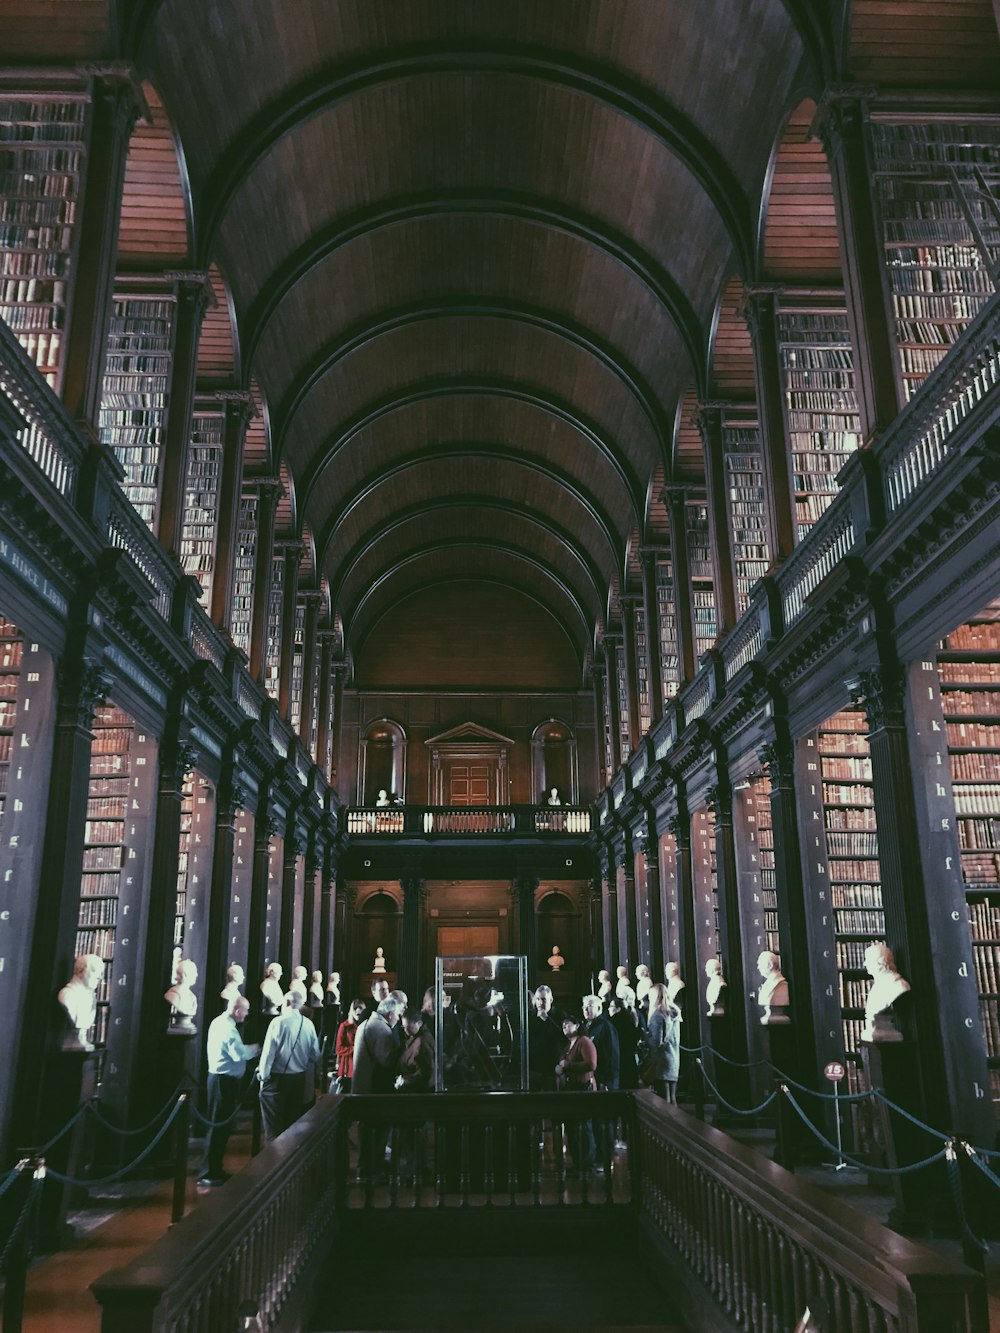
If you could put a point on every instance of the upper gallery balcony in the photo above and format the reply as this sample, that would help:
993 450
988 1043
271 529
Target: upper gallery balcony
424 821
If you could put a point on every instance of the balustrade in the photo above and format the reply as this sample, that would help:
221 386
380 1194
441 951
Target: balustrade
48 436
464 821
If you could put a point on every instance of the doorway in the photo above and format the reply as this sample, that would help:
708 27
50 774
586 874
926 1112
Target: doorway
467 941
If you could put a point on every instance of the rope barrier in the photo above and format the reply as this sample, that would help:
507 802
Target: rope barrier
80 1111
246 1098
12 1175
117 1175
853 1161
975 1156
954 1175
736 1110
105 1123
27 1208
934 1133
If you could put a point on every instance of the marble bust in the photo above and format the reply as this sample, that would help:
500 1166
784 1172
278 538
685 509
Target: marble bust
556 959
333 988
643 982
887 986
79 1001
235 977
675 985
298 983
378 966
382 800
317 995
715 991
553 797
270 988
182 999
773 994
622 980
603 983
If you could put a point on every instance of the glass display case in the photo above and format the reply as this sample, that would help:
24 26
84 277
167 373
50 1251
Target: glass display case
481 1023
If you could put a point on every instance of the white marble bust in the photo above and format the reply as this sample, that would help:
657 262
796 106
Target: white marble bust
553 797
235 977
674 983
182 999
715 990
382 799
270 988
298 983
886 988
333 989
316 992
643 982
603 983
79 1001
622 980
378 966
773 994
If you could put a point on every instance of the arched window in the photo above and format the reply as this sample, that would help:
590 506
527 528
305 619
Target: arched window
553 762
383 763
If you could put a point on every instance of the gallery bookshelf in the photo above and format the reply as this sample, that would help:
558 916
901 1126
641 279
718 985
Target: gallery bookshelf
747 505
241 614
821 405
621 703
11 651
104 852
183 861
704 871
851 867
968 663
941 231
641 668
135 393
201 500
700 568
666 607
755 869
275 610
298 666
42 151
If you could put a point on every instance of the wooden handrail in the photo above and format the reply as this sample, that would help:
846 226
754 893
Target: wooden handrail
759 1243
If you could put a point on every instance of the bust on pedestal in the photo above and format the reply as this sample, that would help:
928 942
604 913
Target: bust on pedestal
317 995
270 989
556 960
643 982
79 1001
623 981
715 991
773 994
183 1001
603 984
886 988
553 797
378 967
235 977
298 984
675 986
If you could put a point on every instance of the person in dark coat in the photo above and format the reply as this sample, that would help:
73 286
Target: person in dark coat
545 1042
598 1027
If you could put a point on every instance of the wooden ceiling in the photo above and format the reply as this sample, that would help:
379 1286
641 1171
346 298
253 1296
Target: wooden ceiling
483 259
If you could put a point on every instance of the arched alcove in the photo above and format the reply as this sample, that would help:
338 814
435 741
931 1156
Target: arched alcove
378 925
554 761
557 926
382 762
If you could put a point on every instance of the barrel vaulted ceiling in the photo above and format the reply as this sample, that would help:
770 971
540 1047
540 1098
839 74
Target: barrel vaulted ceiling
478 252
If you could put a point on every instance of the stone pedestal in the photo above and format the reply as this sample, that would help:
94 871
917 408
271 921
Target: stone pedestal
794 1141
920 1196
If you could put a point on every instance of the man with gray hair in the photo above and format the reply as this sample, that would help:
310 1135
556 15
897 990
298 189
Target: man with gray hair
290 1047
227 1058
376 1050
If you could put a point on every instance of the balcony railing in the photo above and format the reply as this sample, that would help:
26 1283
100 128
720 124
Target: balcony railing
466 820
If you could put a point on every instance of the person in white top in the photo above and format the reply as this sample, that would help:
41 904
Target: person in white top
227 1058
290 1051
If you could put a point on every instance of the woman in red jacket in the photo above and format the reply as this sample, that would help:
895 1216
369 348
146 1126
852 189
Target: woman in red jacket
577 1072
344 1048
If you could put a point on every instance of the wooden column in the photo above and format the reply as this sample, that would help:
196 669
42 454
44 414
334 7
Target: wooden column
312 600
231 799
710 422
414 897
675 498
598 672
284 946
113 112
720 801
631 669
609 909
339 675
761 311
264 830
268 492
840 123
629 909
309 939
654 662
293 553
237 409
345 898
523 893
325 704
611 640
193 293
327 914
649 847
695 1023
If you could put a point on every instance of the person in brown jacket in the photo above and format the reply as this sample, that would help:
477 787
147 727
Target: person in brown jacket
577 1072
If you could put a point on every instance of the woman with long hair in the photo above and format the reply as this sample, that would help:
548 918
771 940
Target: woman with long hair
344 1048
664 1042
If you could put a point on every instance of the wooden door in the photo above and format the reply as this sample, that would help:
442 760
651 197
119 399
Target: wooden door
471 783
467 941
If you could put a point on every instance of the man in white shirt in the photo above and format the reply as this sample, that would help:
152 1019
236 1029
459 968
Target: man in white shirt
227 1062
290 1048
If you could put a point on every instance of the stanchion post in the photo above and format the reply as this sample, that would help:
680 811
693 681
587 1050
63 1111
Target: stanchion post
22 1246
182 1125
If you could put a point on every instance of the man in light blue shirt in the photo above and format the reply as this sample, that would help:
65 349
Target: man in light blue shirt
227 1062
290 1048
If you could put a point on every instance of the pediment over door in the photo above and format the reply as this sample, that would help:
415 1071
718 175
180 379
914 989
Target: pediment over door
469 766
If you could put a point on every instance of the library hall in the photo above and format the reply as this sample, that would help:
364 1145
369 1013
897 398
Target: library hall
500 666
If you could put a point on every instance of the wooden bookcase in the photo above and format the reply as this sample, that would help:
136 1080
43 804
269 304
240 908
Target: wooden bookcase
183 861
642 669
199 528
42 152
242 889
821 405
746 495
241 614
621 703
968 663
706 888
758 896
666 605
703 614
298 666
272 917
275 610
11 655
135 393
940 229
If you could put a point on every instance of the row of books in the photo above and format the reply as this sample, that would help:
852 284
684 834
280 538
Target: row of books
851 954
861 843
969 673
859 921
973 735
980 868
977 798
987 966
851 767
98 911
974 638
977 765
991 1026
854 819
853 992
856 895
978 834
984 919
847 794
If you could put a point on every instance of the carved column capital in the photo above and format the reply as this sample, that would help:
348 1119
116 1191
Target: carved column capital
778 758
83 687
840 113
881 692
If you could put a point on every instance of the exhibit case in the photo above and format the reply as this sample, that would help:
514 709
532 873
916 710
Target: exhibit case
481 1023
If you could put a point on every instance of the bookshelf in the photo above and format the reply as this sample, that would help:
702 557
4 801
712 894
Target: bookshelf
241 615
201 501
609 755
42 151
272 918
298 666
135 392
702 586
933 183
183 860
642 669
755 870
666 605
746 496
670 893
621 703
851 866
11 654
242 888
275 607
706 887
105 853
968 664
821 404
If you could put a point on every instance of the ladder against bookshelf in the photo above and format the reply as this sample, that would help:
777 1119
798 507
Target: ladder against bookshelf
699 554
821 406
851 866
706 888
968 664
42 151
937 188
666 604
135 393
201 500
747 506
